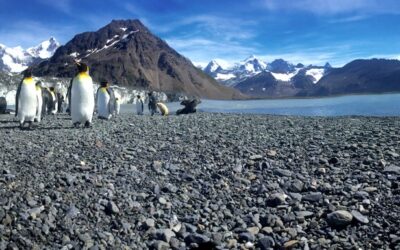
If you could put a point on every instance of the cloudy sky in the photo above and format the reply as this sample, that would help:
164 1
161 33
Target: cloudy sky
307 31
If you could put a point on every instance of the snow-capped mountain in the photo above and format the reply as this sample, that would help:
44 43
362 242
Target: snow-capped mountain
18 59
280 69
251 65
281 66
255 77
45 49
230 75
213 67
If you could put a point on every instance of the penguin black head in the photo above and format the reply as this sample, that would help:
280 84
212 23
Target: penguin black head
38 84
82 68
27 73
150 93
52 89
138 96
104 84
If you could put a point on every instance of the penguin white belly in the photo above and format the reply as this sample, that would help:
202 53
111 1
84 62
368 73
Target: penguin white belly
27 103
82 99
117 107
139 107
54 99
103 102
39 105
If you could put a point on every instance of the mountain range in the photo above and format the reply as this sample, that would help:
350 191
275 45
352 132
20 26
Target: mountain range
18 59
280 78
127 54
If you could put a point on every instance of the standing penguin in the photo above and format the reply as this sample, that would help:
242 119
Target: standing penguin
152 103
39 97
54 108
81 97
105 101
26 100
139 105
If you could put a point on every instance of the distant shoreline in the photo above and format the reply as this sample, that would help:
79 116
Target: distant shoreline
308 97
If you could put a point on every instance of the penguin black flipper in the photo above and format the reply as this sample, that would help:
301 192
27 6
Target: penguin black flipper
95 99
111 103
69 96
17 97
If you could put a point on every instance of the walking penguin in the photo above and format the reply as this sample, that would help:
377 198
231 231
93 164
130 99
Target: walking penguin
26 100
82 97
105 101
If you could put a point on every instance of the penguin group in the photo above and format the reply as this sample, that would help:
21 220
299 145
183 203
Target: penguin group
33 100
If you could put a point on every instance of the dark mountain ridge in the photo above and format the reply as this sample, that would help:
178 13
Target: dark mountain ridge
126 53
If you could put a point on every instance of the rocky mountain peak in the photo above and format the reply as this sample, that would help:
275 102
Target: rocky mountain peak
212 67
45 49
281 66
17 59
126 53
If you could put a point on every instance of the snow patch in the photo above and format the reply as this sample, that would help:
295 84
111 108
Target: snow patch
284 77
74 54
13 66
224 77
130 33
316 73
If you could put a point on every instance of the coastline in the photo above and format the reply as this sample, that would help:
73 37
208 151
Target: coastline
310 97
235 181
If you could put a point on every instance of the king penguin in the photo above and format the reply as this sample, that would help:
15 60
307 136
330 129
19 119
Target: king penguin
26 100
104 101
82 97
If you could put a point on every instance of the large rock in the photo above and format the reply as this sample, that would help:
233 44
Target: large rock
392 170
339 218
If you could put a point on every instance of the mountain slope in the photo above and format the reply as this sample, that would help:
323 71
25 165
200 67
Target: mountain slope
18 59
360 76
265 85
126 53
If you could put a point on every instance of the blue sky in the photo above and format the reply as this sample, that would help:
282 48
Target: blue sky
307 31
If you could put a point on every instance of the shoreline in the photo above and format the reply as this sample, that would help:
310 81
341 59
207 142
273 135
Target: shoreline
311 97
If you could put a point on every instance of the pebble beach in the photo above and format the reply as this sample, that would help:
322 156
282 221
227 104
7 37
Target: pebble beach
201 181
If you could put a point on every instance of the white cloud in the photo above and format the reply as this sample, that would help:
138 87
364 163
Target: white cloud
203 50
207 37
322 7
349 19
60 5
27 33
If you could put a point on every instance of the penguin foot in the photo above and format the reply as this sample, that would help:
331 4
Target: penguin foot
76 124
30 127
88 124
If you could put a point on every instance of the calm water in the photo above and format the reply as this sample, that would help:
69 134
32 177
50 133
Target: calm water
368 105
